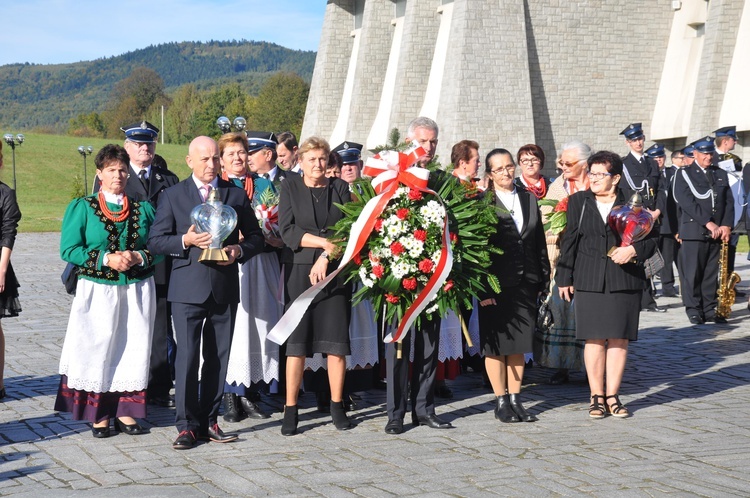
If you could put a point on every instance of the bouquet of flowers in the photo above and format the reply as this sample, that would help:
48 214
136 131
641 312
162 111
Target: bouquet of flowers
266 208
557 220
426 249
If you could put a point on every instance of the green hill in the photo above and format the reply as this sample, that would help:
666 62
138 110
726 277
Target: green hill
34 96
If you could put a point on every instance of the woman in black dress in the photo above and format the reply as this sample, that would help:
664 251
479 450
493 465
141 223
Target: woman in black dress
307 210
506 320
607 286
10 215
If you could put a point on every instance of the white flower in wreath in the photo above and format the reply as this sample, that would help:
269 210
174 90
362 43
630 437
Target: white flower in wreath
435 256
412 245
401 269
433 213
432 309
394 226
366 279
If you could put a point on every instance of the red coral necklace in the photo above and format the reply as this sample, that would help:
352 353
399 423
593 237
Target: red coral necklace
118 215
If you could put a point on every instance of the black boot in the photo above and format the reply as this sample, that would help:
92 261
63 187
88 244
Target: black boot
232 410
338 415
503 411
291 419
515 404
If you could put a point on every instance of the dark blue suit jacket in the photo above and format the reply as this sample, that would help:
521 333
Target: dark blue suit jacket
696 213
191 281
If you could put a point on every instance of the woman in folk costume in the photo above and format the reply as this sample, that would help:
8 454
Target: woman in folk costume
253 360
105 358
558 348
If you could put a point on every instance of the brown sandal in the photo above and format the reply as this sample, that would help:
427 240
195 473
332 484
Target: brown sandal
597 409
617 409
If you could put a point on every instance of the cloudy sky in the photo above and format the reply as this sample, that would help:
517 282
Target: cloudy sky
61 31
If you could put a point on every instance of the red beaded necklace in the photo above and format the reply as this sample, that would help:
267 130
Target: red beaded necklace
112 216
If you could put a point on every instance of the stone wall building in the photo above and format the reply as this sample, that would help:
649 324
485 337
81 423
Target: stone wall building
507 73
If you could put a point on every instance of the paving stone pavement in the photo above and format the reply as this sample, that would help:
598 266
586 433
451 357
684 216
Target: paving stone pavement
686 385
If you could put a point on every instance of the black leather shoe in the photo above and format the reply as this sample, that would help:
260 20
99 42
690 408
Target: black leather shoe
100 432
252 409
184 441
291 419
2 391
166 401
669 293
130 430
515 404
233 411
394 427
560 377
716 319
503 412
655 309
432 421
695 320
216 435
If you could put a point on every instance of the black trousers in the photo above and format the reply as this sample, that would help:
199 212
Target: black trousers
699 268
197 404
426 344
670 249
159 372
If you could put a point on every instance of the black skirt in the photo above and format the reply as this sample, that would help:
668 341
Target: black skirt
607 315
9 304
324 328
508 327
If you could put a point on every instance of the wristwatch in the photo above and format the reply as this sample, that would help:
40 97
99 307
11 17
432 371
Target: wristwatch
324 254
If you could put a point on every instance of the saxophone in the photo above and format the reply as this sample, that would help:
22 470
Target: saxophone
725 293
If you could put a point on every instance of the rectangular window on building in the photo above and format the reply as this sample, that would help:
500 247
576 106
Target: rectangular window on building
400 8
443 2
359 11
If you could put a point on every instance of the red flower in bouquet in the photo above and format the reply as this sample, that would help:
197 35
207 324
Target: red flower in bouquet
378 271
379 224
415 195
391 298
409 284
426 265
357 259
420 235
402 213
397 248
562 206
454 237
448 285
372 257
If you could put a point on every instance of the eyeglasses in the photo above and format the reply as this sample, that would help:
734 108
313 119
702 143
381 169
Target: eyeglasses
599 176
507 169
564 164
529 161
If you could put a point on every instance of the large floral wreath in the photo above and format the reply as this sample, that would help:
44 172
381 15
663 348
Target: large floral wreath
403 264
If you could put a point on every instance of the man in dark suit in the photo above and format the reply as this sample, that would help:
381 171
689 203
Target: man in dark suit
707 214
145 183
202 292
668 244
426 338
726 139
641 174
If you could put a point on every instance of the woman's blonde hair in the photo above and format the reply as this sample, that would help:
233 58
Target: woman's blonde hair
314 143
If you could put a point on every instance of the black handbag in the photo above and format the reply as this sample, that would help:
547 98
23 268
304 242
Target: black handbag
69 278
654 264
544 318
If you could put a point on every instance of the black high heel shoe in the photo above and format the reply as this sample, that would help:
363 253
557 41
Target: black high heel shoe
130 430
100 432
338 415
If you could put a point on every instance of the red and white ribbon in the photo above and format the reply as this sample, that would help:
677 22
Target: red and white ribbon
389 169
268 218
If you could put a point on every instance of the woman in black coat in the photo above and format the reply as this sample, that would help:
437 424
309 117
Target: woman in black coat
607 287
307 211
506 320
